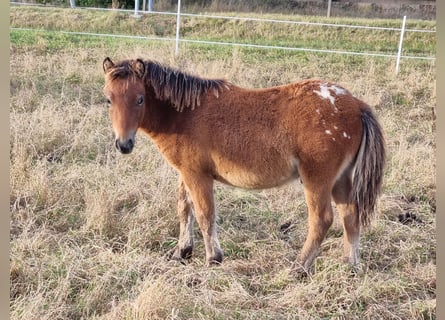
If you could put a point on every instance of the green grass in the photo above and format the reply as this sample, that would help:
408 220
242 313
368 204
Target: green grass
237 31
91 229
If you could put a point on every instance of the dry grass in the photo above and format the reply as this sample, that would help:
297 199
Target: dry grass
91 229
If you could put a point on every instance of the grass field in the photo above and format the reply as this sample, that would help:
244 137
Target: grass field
91 229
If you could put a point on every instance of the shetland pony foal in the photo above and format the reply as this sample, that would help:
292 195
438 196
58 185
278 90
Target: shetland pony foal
252 138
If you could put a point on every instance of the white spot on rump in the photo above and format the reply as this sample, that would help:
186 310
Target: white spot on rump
326 91
328 131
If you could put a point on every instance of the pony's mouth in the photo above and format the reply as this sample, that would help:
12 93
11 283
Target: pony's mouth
124 147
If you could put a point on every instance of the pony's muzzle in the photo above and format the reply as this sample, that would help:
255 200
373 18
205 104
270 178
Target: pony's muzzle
124 147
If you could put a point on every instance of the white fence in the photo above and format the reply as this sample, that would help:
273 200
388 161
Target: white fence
397 50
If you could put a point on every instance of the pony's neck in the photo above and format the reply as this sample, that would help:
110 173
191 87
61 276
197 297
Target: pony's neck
158 117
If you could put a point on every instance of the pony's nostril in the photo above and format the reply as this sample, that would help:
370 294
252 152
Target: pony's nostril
117 145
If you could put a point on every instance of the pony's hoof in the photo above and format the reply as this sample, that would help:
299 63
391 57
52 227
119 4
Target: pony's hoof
300 272
216 259
354 266
181 254
356 270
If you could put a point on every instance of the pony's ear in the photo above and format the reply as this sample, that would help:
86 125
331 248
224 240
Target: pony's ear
107 64
138 67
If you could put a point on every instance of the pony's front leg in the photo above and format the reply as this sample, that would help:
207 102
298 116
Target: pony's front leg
184 247
201 192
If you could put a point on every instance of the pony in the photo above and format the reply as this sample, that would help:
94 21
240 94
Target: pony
212 130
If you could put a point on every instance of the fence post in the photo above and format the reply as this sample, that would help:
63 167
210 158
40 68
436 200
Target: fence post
136 9
178 21
150 5
73 3
329 7
399 53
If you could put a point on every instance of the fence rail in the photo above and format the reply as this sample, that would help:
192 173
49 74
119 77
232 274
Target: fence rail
397 55
247 45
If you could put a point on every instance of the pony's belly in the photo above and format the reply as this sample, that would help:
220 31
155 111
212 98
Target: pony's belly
258 178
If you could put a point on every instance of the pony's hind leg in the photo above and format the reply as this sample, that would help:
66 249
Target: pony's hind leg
320 218
184 247
350 219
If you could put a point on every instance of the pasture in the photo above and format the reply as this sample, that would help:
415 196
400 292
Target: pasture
91 229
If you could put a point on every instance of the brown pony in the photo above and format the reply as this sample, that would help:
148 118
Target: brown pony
253 138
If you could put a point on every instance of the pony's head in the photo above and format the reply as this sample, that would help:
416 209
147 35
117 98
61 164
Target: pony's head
125 95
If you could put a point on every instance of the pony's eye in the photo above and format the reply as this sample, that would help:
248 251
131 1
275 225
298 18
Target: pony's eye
108 102
140 100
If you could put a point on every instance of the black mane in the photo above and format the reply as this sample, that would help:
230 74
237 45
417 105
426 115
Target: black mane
182 90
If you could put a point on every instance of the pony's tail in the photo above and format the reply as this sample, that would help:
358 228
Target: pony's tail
369 164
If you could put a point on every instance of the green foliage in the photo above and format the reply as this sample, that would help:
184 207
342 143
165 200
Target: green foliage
54 2
122 4
94 3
